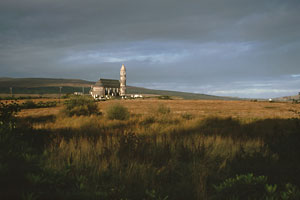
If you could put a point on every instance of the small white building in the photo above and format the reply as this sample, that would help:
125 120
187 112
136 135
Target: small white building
136 96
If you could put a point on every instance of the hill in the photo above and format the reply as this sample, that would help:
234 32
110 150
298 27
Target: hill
43 82
51 86
183 95
288 98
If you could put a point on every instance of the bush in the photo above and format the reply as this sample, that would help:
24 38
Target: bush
249 186
47 104
165 97
20 97
7 115
117 111
18 156
80 106
29 104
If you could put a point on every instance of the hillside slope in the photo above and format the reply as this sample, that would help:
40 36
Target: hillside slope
43 82
183 95
51 86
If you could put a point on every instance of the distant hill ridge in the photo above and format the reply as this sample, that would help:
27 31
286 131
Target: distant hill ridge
50 85
43 82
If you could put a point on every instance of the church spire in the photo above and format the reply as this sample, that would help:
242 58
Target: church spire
123 81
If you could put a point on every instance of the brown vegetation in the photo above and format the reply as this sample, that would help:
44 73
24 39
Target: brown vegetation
218 108
244 110
165 149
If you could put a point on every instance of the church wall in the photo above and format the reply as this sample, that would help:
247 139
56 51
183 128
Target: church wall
98 91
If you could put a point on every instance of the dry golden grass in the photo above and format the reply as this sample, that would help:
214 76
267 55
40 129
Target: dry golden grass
141 110
208 108
196 141
198 108
36 112
145 120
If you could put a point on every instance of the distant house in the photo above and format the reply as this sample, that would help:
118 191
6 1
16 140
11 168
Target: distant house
78 93
136 96
105 88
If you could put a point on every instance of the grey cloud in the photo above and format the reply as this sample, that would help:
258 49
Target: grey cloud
103 21
190 42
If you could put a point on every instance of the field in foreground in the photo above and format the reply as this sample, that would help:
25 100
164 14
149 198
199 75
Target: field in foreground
164 149
243 110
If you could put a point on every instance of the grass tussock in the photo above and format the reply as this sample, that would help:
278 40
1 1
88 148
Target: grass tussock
117 111
163 109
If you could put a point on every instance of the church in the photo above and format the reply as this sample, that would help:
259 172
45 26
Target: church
107 88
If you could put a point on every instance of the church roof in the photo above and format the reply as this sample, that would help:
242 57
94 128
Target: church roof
108 83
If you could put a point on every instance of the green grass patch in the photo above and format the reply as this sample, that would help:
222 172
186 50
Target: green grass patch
80 105
117 111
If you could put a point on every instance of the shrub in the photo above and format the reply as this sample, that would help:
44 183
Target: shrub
241 186
17 154
254 187
47 104
80 106
165 97
117 111
7 115
29 104
162 109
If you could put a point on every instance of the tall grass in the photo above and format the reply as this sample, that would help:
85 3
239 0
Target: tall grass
170 155
155 156
166 154
176 167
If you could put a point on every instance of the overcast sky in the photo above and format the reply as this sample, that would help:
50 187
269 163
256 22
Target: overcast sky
244 48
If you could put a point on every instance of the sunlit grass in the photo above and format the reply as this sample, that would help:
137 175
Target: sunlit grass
177 151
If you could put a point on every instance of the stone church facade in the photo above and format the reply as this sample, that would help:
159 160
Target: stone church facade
106 88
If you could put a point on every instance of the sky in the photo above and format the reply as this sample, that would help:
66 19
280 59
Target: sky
236 48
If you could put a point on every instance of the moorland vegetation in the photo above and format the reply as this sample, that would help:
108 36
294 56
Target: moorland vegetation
119 153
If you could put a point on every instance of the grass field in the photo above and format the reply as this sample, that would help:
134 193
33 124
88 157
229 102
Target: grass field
165 149
243 110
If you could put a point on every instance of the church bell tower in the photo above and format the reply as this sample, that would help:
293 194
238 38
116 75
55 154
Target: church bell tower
123 81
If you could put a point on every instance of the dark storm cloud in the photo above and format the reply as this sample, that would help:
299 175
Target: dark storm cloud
192 43
105 20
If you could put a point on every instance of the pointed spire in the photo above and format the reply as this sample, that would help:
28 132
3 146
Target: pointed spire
123 81
123 67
